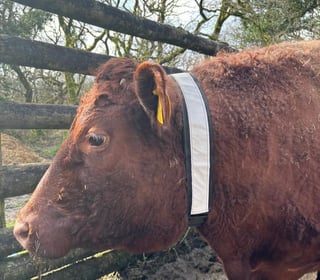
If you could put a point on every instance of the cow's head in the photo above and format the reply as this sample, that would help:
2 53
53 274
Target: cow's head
118 180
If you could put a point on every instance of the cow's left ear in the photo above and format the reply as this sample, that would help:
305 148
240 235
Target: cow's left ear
150 87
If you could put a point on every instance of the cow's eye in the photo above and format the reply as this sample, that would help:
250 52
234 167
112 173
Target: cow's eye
96 140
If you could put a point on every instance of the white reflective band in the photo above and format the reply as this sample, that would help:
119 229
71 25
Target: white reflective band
199 143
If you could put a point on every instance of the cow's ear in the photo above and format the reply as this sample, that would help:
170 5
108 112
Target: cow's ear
150 87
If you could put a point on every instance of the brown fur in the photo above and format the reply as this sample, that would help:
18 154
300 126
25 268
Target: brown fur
129 193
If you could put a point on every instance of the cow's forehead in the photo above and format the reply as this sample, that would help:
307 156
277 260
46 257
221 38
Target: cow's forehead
93 116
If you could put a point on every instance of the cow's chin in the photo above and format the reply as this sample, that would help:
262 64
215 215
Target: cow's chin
49 250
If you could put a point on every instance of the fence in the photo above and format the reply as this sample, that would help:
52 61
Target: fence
20 180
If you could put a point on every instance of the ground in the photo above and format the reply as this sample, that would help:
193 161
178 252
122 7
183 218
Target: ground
191 260
200 264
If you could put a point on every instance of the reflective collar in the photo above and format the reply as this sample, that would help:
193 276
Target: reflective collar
197 146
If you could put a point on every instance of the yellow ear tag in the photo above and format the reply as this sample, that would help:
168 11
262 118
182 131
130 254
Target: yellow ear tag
159 109
159 112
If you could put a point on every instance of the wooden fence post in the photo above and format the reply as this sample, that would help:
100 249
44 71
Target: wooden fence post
2 206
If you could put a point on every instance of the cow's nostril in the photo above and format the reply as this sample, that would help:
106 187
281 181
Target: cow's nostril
21 231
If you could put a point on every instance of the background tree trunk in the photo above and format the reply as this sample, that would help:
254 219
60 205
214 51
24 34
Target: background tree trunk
24 81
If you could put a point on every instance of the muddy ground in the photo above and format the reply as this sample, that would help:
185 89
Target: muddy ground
199 264
191 260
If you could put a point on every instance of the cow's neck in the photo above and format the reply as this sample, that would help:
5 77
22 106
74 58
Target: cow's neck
197 147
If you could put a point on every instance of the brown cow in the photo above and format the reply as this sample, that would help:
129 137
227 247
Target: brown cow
119 180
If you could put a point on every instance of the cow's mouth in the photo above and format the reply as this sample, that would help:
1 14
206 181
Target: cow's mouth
40 242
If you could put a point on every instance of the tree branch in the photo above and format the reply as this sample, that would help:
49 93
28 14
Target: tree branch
22 78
